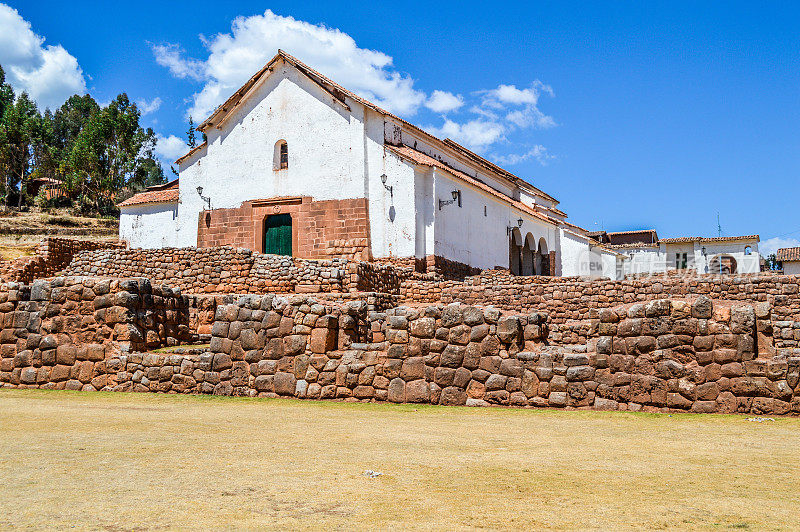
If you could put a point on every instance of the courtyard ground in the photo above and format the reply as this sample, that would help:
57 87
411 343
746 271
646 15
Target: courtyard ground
149 462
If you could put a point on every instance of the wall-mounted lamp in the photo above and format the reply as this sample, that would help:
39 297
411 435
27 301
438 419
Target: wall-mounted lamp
387 187
511 228
456 197
204 198
703 251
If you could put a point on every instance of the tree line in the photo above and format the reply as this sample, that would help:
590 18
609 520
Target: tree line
99 154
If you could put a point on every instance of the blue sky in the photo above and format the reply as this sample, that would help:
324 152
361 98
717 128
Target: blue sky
634 115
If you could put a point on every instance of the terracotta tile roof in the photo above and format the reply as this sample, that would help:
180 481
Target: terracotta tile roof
48 180
491 166
788 254
634 245
595 244
683 239
159 194
338 92
634 232
426 160
191 152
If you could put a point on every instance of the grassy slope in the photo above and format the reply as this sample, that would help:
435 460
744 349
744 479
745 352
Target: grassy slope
20 233
140 462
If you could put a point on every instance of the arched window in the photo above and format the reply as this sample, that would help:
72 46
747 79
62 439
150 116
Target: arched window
280 159
748 250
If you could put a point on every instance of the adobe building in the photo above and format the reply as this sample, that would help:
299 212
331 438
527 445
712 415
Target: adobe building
789 259
647 254
295 164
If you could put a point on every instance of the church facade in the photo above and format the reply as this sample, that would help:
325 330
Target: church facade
295 164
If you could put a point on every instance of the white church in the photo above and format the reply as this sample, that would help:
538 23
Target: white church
295 164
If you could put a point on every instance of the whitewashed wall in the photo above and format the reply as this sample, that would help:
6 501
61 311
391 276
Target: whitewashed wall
394 214
744 263
645 260
791 268
465 234
149 226
661 259
328 147
581 257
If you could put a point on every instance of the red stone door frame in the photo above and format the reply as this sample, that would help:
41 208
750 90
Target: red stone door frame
267 207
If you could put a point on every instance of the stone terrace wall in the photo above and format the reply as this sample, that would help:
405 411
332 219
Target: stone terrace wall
659 356
52 256
218 270
58 333
238 271
301 346
576 298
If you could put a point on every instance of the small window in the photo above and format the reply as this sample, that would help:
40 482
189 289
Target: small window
748 250
681 260
281 155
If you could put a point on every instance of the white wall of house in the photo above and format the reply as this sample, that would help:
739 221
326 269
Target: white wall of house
644 260
393 215
328 148
791 267
663 258
149 226
336 153
475 233
745 263
580 256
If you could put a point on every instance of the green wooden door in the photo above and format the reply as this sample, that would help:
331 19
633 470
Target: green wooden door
278 234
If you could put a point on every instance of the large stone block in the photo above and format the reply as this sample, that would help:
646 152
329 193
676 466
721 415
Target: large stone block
285 383
509 329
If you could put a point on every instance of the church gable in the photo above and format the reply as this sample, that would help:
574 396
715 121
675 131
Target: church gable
287 136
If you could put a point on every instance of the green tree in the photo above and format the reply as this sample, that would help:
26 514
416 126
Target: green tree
70 119
112 151
191 139
771 263
6 92
21 124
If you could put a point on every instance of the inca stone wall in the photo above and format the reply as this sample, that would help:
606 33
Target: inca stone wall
238 271
53 255
218 270
59 333
576 298
663 355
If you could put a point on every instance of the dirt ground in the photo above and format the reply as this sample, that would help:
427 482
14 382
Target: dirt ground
152 462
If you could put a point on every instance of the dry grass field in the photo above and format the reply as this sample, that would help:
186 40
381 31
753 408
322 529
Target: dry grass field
151 462
21 232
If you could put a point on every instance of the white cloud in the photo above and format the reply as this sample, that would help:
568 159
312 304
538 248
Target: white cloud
49 74
538 152
169 55
510 94
502 111
235 56
148 107
477 133
444 102
168 149
771 245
